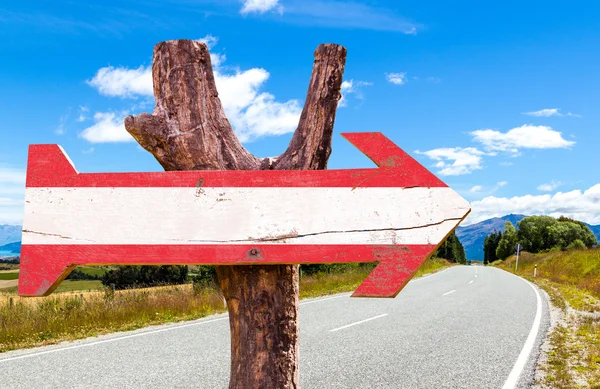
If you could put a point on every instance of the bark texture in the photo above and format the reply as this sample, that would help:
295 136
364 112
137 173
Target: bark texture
188 130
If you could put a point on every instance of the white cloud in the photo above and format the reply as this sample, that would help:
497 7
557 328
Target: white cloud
476 188
252 113
396 78
584 206
6 201
209 40
108 127
463 160
352 87
347 14
550 186
547 112
261 6
123 82
526 136
11 176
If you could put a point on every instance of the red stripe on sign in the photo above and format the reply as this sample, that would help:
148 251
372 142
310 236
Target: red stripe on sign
42 267
48 166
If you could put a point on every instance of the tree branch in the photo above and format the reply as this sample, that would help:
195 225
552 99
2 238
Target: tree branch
311 144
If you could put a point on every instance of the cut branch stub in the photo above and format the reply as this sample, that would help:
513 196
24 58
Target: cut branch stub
188 130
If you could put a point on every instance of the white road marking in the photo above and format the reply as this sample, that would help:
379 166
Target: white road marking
358 322
110 340
475 275
470 282
515 373
447 293
325 299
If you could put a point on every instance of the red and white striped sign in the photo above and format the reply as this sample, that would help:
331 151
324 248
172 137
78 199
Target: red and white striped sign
396 214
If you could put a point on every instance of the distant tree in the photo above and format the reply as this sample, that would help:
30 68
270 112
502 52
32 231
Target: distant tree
534 233
507 243
577 244
139 276
490 244
452 250
542 233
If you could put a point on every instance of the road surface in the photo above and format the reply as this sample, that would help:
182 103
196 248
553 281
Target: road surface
465 327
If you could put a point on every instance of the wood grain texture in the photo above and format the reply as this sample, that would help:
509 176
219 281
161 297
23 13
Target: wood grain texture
188 130
385 216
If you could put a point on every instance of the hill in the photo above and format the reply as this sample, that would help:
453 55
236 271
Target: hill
14 247
472 236
9 233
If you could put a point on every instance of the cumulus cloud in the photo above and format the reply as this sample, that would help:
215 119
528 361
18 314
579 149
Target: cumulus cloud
108 127
550 186
476 188
524 137
261 6
352 87
547 112
396 78
577 204
123 82
455 161
251 112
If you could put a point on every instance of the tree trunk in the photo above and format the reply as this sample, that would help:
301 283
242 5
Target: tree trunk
188 130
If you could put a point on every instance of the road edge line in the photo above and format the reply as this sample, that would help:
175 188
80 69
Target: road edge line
519 366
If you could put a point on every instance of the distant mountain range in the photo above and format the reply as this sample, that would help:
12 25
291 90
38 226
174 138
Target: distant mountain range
9 234
14 248
472 236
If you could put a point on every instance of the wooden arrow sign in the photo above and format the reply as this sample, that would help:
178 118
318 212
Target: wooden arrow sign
396 214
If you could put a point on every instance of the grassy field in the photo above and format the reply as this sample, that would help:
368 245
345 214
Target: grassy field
9 275
31 322
572 280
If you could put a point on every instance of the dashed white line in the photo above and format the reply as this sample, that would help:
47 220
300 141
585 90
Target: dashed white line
358 322
470 282
447 293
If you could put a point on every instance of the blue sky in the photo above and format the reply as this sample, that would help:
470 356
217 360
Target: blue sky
499 99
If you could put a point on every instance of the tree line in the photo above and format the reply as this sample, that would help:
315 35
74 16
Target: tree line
538 234
142 276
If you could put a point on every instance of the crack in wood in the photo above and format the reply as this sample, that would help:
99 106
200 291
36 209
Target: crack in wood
295 235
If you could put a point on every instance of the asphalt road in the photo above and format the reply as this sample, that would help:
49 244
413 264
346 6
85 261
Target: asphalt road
466 327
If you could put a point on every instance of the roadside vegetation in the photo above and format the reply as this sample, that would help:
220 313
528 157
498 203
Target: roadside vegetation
572 280
538 234
30 322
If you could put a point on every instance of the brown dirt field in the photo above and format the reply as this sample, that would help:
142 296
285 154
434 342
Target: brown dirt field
8 283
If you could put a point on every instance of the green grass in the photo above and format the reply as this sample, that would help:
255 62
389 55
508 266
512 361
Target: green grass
33 322
5 276
97 271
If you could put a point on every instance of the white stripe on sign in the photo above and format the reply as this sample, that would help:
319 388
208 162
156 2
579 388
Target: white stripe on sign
240 215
